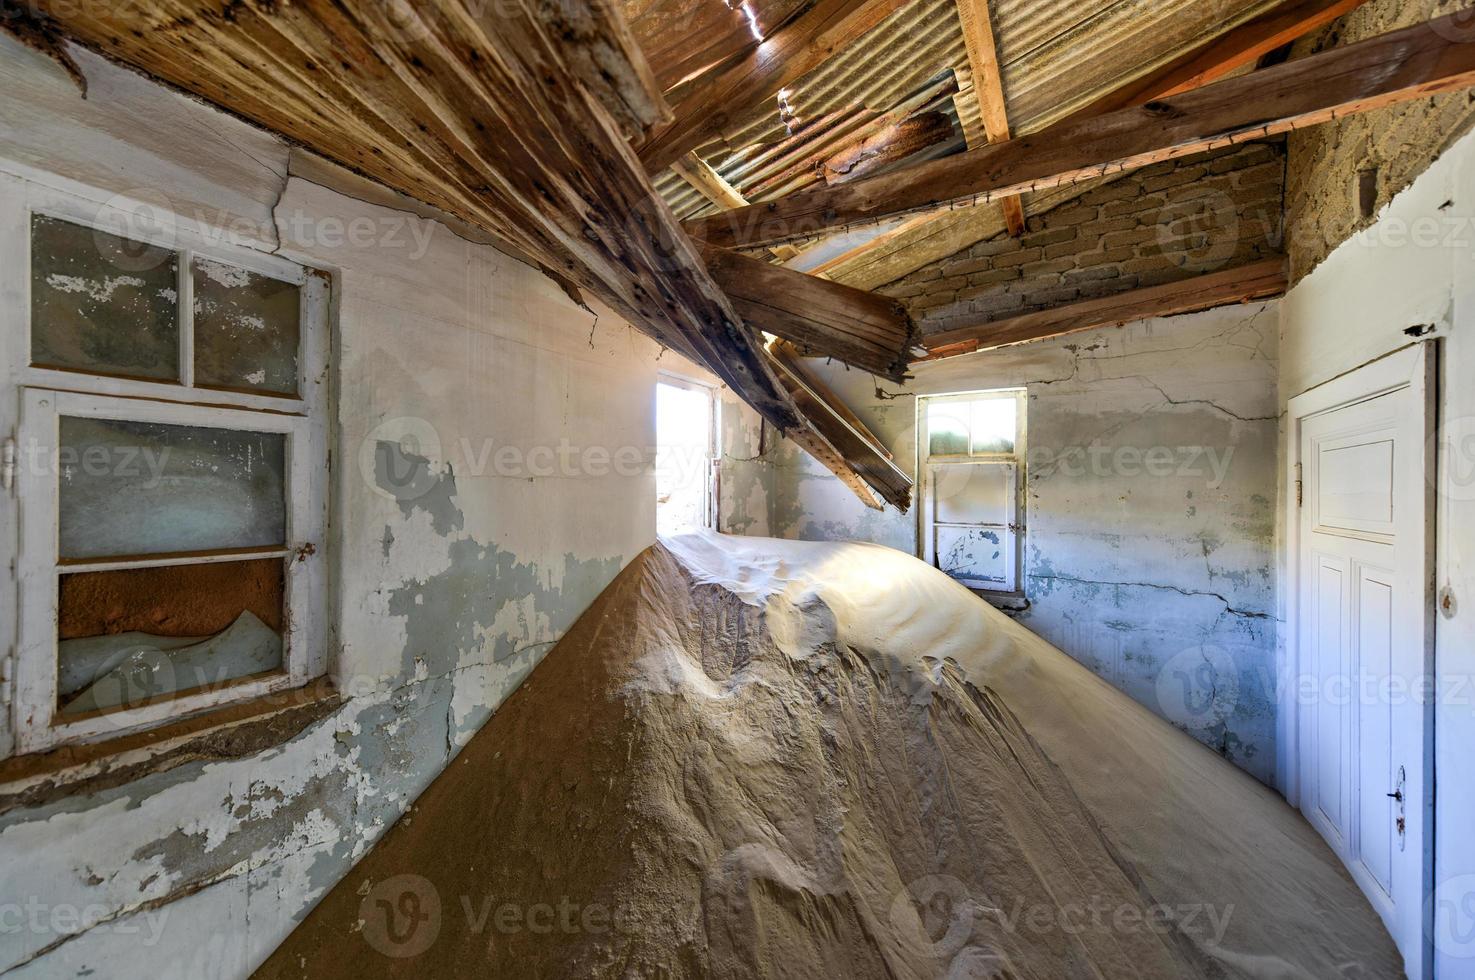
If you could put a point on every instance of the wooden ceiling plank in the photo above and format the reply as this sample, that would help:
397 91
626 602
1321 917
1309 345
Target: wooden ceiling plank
1258 280
1413 63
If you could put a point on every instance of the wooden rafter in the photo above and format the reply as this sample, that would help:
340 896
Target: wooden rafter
710 104
988 90
1229 52
1258 280
1212 60
1413 63
714 187
862 329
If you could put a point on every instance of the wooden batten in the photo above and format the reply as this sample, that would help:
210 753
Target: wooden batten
1241 284
861 451
1397 67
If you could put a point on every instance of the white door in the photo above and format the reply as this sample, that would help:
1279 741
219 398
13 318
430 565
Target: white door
1362 628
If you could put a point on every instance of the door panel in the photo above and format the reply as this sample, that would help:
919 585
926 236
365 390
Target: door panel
1362 560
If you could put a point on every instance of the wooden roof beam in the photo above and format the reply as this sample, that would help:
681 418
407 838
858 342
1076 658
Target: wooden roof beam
1258 280
988 91
865 330
1400 66
1228 52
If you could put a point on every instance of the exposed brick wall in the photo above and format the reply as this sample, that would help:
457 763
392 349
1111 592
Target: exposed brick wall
1162 223
1324 162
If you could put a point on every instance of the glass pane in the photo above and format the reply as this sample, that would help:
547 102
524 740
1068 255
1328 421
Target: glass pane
947 428
102 304
127 637
994 425
246 329
978 556
143 488
973 493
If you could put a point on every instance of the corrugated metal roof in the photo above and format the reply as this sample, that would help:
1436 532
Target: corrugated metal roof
1055 56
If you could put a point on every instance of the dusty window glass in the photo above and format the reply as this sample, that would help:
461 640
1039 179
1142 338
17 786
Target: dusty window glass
143 488
246 329
102 304
126 637
947 428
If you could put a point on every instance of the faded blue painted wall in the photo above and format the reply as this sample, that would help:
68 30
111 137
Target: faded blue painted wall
489 479
1157 572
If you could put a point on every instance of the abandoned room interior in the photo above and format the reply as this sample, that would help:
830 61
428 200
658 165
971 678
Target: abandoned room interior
737 488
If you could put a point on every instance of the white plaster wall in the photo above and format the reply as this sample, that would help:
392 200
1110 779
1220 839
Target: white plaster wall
1160 580
445 594
1416 267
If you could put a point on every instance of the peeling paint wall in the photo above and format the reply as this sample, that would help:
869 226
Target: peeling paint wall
1414 269
490 477
1159 577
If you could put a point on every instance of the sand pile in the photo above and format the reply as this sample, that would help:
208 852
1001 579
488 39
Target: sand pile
831 761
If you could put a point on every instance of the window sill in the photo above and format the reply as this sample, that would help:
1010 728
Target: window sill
232 732
1006 602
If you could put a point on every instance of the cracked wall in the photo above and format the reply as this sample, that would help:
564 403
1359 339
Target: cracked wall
1162 578
462 543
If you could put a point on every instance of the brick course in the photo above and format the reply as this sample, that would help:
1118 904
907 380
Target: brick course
1162 223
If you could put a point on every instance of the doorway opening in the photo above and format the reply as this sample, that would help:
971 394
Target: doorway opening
686 453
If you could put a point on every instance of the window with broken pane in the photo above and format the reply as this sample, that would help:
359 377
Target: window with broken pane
175 477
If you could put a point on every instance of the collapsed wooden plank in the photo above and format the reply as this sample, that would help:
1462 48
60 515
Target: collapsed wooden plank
988 91
714 102
514 117
871 463
866 330
790 357
1257 280
1408 64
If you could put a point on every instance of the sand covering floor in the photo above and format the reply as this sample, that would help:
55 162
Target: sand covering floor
782 759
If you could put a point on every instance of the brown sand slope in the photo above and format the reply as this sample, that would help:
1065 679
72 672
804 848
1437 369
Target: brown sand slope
695 786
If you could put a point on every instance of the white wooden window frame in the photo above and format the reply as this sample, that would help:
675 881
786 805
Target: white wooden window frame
929 464
34 398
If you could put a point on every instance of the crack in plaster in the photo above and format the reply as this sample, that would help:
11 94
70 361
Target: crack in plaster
1195 593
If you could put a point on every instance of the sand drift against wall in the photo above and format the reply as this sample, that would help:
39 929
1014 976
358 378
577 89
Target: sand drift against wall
786 759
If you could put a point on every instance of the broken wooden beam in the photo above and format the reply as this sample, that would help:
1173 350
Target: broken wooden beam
1413 63
713 102
871 463
1241 284
865 330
